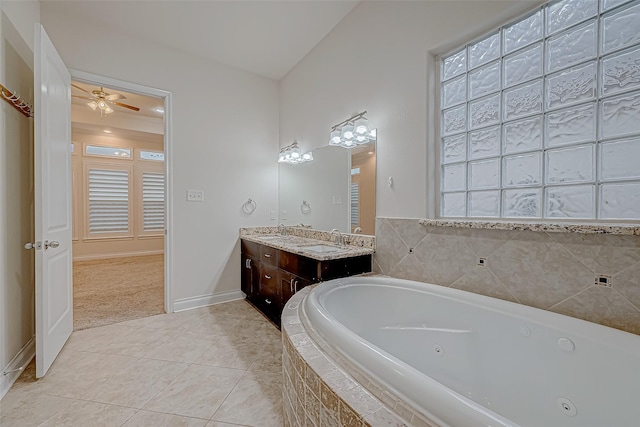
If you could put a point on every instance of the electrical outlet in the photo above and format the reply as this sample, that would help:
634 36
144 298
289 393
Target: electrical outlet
603 280
195 196
482 262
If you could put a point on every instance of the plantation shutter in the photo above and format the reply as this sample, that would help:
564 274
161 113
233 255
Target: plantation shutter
153 201
108 201
355 205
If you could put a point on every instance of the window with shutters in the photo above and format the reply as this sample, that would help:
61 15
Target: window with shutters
120 197
355 205
108 189
151 187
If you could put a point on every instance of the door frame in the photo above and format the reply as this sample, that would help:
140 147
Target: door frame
100 80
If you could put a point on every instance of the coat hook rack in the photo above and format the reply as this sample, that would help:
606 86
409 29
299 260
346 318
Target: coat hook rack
14 100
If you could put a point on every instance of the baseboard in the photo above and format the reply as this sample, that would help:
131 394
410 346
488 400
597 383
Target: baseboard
205 300
116 255
23 358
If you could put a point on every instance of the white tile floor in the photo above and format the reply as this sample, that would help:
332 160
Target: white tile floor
217 366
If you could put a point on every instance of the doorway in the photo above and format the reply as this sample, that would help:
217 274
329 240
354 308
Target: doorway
121 201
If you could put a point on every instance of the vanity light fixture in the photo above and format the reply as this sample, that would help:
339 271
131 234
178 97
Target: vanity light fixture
352 132
293 154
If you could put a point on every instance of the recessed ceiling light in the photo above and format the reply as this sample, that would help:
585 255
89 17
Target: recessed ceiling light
370 152
106 131
159 110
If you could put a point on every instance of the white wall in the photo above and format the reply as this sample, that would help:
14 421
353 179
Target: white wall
225 142
16 208
377 59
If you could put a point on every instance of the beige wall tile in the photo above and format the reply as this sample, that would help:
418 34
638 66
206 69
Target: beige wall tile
539 274
535 268
627 282
602 305
445 257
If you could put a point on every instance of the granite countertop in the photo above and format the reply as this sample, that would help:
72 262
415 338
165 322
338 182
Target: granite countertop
298 245
628 230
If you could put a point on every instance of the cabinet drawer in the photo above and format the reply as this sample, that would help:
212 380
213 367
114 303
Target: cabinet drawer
301 266
268 283
268 255
251 249
334 269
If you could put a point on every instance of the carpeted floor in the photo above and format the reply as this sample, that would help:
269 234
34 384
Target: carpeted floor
118 289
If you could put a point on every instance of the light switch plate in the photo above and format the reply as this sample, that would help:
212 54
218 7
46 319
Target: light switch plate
283 215
195 196
273 215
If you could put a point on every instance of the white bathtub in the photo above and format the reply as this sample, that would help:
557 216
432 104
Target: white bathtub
465 360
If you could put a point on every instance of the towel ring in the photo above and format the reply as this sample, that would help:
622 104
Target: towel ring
249 206
305 208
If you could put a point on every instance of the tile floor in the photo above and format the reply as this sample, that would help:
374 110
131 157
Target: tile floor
217 366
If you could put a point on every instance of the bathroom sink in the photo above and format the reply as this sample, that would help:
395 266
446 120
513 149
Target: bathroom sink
273 237
320 249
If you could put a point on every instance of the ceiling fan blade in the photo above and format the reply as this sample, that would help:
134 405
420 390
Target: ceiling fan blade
83 97
78 87
114 97
131 107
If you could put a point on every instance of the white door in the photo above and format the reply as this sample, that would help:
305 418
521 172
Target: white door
52 199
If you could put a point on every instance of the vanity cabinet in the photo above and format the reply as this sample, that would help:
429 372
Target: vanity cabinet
271 276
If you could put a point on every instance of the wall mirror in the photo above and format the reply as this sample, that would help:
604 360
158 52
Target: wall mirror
335 190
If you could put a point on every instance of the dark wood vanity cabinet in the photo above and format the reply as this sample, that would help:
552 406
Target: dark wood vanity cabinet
271 276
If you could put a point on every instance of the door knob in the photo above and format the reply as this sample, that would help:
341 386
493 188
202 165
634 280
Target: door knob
51 244
36 245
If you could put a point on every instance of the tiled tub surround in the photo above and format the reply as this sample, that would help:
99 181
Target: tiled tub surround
298 238
555 271
317 392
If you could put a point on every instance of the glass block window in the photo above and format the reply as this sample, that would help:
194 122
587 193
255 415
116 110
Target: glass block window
541 118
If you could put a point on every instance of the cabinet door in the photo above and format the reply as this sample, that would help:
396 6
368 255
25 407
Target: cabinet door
289 285
250 276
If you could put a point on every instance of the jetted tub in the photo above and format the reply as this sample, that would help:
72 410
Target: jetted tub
464 360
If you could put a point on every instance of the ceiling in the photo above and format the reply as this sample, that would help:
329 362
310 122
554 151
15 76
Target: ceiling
265 37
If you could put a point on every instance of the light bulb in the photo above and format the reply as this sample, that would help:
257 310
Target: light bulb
373 134
334 139
347 131
93 105
361 126
362 139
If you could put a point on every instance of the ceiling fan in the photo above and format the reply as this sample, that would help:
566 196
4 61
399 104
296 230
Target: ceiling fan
103 101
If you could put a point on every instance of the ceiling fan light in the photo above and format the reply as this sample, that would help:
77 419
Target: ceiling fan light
102 105
108 110
93 105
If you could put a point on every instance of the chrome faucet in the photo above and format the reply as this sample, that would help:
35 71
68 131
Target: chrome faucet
339 238
282 229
